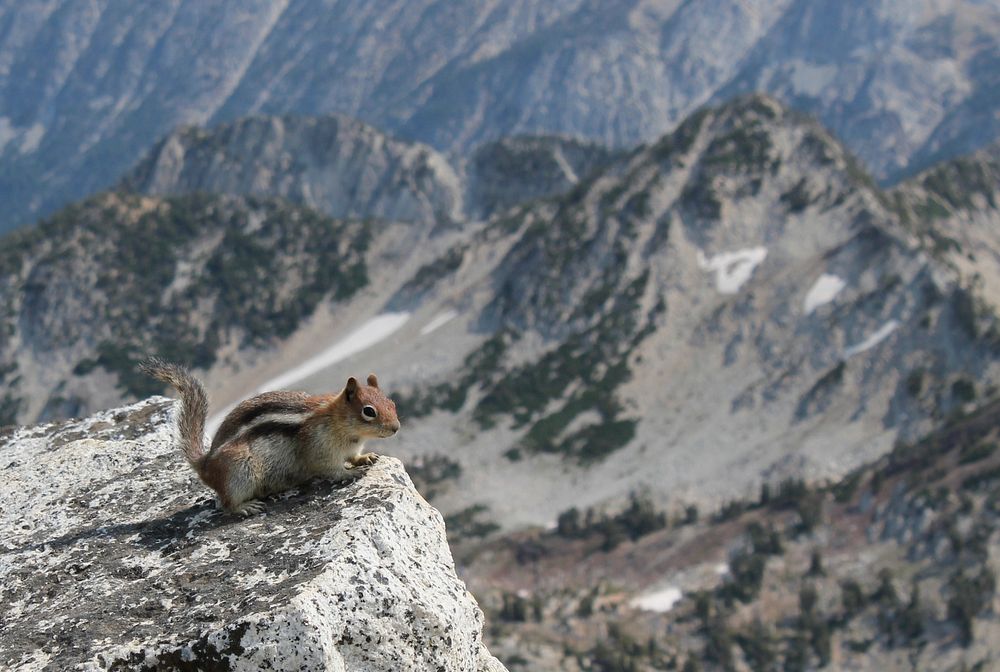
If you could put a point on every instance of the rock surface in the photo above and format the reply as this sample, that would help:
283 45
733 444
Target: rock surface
115 557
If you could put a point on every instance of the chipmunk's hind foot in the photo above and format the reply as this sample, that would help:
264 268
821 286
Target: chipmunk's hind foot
250 508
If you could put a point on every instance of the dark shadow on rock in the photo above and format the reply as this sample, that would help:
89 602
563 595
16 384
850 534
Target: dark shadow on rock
182 527
152 533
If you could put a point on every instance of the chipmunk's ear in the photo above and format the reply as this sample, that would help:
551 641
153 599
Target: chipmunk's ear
351 388
372 380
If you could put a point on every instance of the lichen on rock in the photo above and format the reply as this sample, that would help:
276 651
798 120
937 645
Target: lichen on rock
114 556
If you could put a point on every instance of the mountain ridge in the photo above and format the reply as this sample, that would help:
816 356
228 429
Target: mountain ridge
917 78
334 164
346 168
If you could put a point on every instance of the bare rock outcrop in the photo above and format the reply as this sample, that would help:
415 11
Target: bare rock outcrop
115 557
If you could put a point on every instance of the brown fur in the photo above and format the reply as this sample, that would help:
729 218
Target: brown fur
273 441
268 402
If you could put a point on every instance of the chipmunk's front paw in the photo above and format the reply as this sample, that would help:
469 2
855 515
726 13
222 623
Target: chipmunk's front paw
365 460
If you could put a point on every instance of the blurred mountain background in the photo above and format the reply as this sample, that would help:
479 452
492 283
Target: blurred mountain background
90 86
690 308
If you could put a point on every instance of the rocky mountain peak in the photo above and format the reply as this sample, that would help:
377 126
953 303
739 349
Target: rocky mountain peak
334 164
737 176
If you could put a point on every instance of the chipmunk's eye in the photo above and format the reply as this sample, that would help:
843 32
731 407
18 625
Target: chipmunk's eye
369 412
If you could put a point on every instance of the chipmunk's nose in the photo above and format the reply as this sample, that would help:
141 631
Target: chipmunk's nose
394 426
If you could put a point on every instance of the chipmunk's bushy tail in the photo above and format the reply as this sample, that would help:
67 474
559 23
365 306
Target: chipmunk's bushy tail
194 406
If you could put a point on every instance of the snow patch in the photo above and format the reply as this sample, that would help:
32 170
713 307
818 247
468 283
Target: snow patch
368 334
660 601
883 333
732 269
721 569
823 291
438 321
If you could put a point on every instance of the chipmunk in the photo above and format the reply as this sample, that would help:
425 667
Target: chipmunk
276 440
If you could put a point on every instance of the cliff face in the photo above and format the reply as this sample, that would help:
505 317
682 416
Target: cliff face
115 557
88 87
